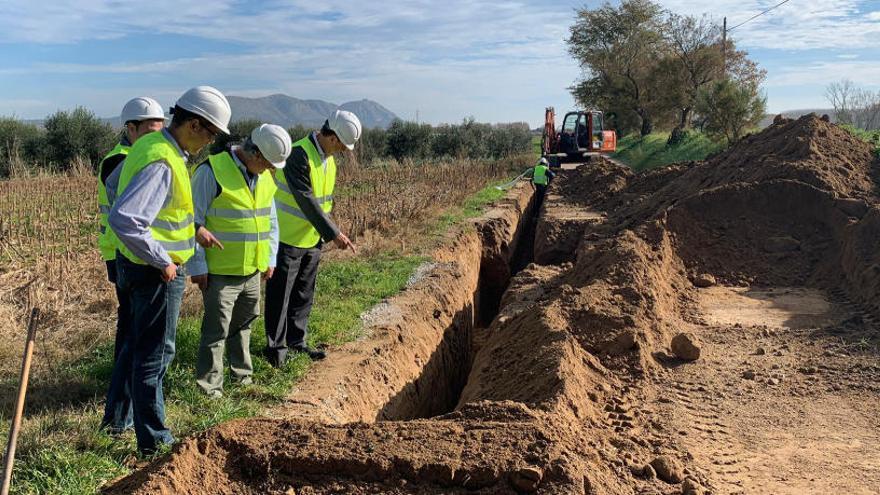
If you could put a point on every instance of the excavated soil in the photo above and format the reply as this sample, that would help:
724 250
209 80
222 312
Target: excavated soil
561 378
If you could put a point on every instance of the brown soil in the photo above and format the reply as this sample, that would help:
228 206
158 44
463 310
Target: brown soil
571 388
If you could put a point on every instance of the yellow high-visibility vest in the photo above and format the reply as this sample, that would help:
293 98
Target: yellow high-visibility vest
293 227
106 238
173 227
540 176
239 219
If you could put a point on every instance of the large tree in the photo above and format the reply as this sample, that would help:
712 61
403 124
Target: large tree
697 58
617 48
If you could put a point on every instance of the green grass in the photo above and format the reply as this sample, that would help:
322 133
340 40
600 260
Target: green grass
65 453
652 151
62 451
471 208
872 137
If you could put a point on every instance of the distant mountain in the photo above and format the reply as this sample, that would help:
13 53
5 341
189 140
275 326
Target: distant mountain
794 114
288 111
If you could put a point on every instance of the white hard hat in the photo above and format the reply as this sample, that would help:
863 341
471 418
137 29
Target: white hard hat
273 142
141 108
207 102
543 160
346 126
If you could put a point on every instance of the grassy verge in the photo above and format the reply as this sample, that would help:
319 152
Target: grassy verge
872 137
471 208
651 151
61 450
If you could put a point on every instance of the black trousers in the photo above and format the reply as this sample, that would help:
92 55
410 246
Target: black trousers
540 192
289 297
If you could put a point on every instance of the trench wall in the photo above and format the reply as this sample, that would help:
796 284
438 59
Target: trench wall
416 354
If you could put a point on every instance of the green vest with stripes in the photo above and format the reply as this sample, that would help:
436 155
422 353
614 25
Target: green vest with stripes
540 177
293 227
239 219
106 238
173 227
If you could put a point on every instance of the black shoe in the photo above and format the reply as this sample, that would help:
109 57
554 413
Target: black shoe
315 354
275 359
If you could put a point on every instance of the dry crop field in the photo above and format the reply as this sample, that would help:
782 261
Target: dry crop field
49 258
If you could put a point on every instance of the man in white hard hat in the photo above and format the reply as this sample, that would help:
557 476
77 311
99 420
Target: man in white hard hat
540 175
304 201
140 116
153 221
233 194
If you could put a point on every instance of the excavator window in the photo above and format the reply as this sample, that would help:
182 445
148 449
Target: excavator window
570 124
583 135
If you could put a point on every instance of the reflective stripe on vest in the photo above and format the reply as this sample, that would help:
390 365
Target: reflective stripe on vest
294 227
107 239
173 227
540 177
241 220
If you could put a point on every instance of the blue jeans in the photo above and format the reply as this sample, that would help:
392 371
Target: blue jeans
118 415
155 307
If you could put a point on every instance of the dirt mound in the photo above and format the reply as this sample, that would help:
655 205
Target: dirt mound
562 387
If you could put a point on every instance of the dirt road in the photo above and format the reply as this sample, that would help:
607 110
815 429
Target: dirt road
703 328
780 404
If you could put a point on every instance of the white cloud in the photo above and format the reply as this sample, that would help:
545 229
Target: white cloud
797 25
497 60
494 59
861 72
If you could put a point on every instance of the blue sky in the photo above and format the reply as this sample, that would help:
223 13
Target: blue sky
496 60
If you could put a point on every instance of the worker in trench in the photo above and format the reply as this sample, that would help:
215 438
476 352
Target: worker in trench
152 219
540 176
304 201
140 116
233 198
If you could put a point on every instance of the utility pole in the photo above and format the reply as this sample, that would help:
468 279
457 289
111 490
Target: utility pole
417 115
724 46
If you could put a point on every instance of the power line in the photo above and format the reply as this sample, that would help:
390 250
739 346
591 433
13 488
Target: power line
758 15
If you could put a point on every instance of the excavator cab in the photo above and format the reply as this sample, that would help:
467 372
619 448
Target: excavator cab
582 132
582 136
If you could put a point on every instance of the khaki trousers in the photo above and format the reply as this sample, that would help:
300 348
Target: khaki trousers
232 303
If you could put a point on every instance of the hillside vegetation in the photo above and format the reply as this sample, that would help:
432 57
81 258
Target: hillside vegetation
643 153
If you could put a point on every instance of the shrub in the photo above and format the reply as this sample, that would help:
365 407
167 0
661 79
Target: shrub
409 140
730 107
77 133
20 144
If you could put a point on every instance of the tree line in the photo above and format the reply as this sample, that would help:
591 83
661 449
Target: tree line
69 139
854 106
649 68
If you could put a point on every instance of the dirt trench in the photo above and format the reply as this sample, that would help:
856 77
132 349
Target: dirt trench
561 378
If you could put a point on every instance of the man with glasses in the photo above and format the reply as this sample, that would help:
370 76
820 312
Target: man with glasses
233 193
153 221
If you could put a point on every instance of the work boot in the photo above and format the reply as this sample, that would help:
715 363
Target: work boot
315 354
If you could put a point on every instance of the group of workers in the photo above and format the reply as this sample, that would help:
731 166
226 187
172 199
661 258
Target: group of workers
258 210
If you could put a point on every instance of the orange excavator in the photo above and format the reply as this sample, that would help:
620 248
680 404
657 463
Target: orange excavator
582 137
